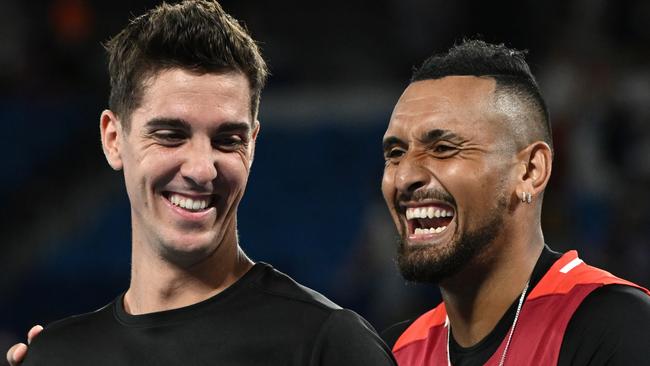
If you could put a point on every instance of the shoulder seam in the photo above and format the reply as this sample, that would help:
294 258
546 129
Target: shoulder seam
312 302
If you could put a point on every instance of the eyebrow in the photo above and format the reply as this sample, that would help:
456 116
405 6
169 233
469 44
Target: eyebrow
429 137
392 141
234 126
179 123
438 134
162 122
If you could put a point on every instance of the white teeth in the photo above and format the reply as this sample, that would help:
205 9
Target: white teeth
188 203
420 231
426 212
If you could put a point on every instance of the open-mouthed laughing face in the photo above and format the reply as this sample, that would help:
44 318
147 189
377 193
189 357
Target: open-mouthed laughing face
186 158
446 180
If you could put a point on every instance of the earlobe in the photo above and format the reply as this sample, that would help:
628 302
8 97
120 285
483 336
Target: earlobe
111 134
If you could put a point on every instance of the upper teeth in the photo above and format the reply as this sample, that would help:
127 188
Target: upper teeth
426 212
188 203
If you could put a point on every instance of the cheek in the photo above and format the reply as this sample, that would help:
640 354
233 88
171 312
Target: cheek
233 170
475 187
245 158
159 167
387 185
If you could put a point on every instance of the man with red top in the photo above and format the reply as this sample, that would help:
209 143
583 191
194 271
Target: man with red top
468 155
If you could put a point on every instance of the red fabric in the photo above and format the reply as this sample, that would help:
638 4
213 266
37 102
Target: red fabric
540 328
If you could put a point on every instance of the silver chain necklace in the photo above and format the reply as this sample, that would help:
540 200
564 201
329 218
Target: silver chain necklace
512 329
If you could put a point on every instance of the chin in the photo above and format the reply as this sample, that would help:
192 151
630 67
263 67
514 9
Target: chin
434 263
430 264
188 251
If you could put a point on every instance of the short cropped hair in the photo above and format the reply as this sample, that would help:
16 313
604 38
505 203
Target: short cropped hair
506 66
197 35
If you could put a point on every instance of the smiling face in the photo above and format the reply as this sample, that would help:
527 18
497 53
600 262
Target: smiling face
448 175
186 160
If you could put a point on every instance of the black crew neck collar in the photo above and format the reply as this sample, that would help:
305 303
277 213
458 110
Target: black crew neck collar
187 312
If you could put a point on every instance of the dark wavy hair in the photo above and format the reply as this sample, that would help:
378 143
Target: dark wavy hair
196 35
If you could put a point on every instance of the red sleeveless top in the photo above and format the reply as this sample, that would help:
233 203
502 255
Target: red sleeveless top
540 328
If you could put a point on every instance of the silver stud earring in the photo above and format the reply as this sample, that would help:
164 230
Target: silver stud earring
526 197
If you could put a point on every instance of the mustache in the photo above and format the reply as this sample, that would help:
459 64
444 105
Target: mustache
431 194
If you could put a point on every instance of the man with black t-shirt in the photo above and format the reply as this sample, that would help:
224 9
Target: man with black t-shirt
185 87
468 155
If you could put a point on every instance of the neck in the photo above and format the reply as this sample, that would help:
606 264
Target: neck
158 284
477 297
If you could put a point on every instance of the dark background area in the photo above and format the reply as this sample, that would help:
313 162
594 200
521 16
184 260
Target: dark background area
313 206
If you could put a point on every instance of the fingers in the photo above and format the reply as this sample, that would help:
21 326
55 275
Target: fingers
16 354
33 333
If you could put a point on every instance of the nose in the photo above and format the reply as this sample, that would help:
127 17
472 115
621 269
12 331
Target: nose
410 176
199 165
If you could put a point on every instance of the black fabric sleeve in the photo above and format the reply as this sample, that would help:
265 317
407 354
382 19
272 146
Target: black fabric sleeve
348 339
610 327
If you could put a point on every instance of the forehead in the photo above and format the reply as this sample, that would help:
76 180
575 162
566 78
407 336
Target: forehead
462 105
201 97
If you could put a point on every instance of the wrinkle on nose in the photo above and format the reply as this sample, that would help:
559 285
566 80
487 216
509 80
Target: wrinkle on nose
199 166
410 176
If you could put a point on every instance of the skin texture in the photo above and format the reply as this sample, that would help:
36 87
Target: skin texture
192 135
448 145
462 155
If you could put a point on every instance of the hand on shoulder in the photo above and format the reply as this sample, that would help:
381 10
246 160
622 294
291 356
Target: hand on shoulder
17 352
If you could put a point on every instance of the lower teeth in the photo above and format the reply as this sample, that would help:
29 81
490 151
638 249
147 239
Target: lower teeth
419 231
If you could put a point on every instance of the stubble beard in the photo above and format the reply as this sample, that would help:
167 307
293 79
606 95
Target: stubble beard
430 264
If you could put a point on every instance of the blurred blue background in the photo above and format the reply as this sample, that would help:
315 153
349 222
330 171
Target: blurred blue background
313 206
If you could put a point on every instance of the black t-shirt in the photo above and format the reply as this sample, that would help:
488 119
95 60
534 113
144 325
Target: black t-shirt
610 327
265 318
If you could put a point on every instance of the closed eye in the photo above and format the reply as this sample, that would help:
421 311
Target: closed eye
228 142
394 153
169 136
444 150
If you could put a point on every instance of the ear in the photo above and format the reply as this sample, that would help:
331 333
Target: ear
254 133
534 170
111 132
